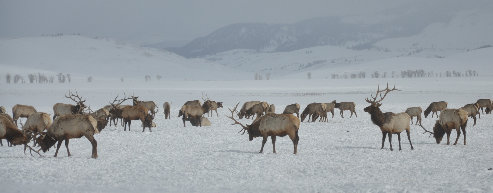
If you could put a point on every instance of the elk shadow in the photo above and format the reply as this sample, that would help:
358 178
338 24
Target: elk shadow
355 147
238 151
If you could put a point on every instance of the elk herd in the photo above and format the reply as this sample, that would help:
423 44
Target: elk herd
77 120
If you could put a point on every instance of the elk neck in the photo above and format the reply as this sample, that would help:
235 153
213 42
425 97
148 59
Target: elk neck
377 117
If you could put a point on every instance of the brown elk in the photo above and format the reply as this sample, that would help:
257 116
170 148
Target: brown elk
327 107
149 105
130 113
484 103
166 110
212 106
450 119
472 110
313 111
101 116
415 112
66 127
292 108
37 123
346 106
19 111
60 109
192 111
435 107
247 106
272 125
257 110
388 122
10 132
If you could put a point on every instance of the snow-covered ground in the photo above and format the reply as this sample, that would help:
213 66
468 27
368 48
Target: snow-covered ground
342 155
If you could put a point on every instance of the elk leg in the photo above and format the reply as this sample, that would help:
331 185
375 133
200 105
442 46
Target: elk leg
1 144
390 141
342 114
94 144
464 131
332 113
183 121
351 114
399 139
66 146
412 122
273 143
448 137
295 142
298 115
263 143
474 120
383 138
129 123
409 138
458 135
355 114
58 147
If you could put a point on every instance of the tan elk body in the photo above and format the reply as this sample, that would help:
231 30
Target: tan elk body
450 119
435 107
415 112
24 111
292 108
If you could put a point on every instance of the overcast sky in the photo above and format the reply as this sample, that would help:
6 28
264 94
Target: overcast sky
155 20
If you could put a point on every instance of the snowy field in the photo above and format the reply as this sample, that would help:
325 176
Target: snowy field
342 155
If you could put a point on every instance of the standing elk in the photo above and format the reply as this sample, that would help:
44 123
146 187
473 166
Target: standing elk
272 125
346 106
415 112
166 110
292 108
130 113
388 122
19 111
192 111
484 103
472 110
435 107
66 127
450 119
327 107
212 106
149 105
313 111
60 109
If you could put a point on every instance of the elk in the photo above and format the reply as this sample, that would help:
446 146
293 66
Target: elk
19 111
130 113
435 107
192 111
472 110
346 106
149 105
313 111
327 107
60 109
212 105
415 112
257 110
37 123
484 103
166 110
101 116
246 106
7 116
292 108
10 132
388 122
271 125
66 127
450 119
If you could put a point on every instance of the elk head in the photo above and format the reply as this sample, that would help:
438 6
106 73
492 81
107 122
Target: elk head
376 103
135 100
79 107
438 132
45 141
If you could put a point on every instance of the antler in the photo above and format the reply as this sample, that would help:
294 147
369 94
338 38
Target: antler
76 96
379 94
117 102
236 122
205 99
426 131
31 150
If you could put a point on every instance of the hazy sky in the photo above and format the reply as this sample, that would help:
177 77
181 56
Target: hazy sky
155 20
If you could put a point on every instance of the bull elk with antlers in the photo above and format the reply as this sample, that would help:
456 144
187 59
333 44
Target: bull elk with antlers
388 122
271 125
450 119
60 109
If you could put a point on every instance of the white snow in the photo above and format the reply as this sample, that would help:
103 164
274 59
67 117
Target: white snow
342 155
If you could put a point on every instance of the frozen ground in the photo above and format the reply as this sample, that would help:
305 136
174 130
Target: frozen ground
342 155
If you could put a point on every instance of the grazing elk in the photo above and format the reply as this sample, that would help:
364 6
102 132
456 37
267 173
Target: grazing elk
472 110
192 111
313 111
212 106
257 110
388 122
149 105
22 111
66 127
60 109
272 125
292 108
484 103
247 106
101 116
415 112
37 123
346 106
166 110
435 107
10 132
450 119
